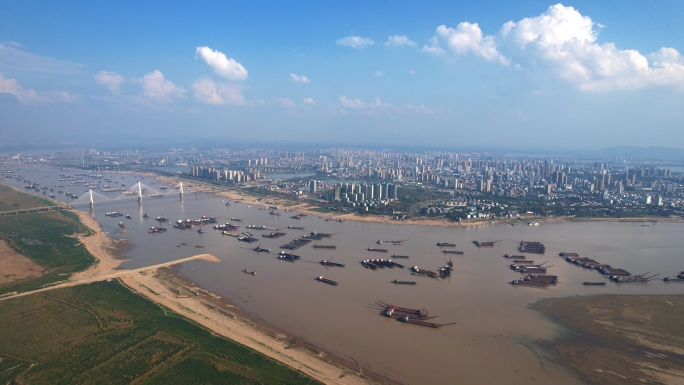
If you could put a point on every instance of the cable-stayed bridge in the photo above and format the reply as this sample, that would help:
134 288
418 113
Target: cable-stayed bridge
137 191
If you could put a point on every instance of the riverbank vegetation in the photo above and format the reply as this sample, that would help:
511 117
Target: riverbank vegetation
47 239
101 332
105 333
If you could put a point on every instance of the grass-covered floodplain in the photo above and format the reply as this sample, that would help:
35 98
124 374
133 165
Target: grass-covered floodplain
105 333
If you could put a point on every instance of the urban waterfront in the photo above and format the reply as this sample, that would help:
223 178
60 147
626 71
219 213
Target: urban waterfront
495 331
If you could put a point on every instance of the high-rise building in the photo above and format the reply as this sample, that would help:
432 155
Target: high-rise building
368 191
312 186
392 191
377 191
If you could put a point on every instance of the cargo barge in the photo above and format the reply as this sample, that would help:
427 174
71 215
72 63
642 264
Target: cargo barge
326 280
415 270
381 242
288 257
328 263
485 244
531 247
317 246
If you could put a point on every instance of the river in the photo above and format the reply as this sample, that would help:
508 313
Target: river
493 340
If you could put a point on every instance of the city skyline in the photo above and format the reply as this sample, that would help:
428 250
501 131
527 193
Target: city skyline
554 77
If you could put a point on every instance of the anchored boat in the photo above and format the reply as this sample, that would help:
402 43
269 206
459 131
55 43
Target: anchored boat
317 246
326 280
381 242
329 263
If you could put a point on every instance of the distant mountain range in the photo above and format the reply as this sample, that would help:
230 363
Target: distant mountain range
644 153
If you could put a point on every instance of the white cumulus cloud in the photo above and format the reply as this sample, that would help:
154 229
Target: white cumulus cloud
434 47
207 91
299 79
356 42
400 41
111 80
223 66
467 38
308 101
563 42
157 88
12 87
358 104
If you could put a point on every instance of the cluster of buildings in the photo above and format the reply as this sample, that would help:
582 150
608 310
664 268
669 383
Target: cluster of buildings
214 174
377 174
360 192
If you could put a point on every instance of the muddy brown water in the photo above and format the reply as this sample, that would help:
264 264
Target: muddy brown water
493 339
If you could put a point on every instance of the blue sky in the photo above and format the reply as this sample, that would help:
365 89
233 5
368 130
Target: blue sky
446 74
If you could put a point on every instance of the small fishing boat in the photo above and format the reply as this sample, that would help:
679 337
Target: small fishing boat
398 282
249 272
420 322
594 283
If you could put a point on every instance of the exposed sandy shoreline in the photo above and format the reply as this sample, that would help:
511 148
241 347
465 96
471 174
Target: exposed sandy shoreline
307 209
211 311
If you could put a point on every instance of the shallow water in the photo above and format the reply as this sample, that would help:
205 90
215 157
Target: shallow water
492 338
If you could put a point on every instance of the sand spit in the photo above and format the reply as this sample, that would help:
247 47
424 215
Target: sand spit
206 309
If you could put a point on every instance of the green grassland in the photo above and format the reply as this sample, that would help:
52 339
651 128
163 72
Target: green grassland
104 333
11 199
47 239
